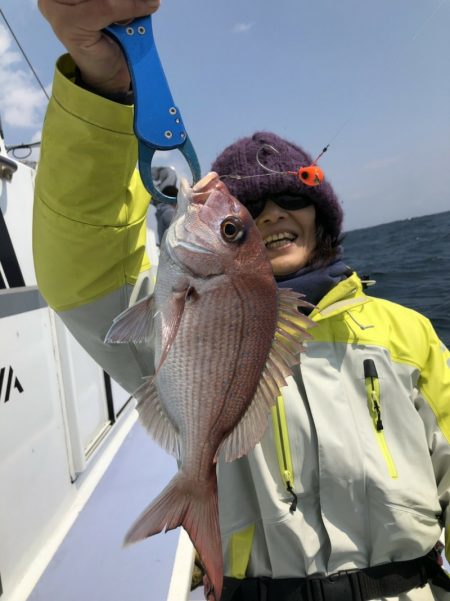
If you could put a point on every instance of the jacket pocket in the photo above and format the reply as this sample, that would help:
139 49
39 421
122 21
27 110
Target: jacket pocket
424 514
372 386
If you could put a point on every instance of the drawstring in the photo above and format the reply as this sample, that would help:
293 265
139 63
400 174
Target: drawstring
293 506
363 327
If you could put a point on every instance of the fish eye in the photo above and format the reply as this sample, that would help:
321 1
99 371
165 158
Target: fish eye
232 229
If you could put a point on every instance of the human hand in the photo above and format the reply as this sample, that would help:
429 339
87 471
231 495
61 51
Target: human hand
78 25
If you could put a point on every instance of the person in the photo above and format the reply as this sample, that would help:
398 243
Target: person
165 180
346 495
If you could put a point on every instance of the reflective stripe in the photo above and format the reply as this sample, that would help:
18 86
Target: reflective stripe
343 304
374 402
240 549
283 448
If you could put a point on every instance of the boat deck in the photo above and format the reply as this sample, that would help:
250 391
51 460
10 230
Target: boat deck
91 563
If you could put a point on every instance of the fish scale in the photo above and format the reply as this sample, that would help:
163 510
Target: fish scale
202 387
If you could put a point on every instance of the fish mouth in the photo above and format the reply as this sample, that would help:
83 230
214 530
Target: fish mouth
275 241
191 246
173 245
202 190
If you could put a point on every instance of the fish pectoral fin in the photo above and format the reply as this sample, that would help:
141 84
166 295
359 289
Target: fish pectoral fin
135 324
171 319
290 334
154 418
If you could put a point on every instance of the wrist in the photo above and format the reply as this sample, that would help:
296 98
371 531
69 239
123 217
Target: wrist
114 93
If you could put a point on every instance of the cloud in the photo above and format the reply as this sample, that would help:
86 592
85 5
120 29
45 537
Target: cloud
242 27
22 101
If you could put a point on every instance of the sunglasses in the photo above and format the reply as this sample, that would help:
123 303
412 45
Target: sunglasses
289 203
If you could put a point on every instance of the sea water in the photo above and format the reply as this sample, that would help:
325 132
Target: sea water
410 261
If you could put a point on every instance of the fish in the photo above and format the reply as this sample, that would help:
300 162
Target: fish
224 337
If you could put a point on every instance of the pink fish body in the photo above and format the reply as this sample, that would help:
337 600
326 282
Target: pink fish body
224 339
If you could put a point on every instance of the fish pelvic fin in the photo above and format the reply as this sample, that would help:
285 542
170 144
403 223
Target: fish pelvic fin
193 505
291 332
155 419
135 324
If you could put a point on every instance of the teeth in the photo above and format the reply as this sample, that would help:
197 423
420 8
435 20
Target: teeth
276 237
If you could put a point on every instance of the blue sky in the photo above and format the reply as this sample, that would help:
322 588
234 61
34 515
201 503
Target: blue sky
374 73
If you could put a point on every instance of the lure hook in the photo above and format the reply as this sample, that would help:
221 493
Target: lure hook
258 160
311 175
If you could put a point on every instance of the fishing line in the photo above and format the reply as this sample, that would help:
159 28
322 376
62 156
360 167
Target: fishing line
24 54
32 144
391 65
312 175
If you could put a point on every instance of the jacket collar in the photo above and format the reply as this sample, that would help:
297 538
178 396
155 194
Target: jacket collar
345 295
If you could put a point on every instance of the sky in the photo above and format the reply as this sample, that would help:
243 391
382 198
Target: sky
368 78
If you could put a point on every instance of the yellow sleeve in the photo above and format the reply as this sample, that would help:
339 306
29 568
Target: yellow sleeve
89 224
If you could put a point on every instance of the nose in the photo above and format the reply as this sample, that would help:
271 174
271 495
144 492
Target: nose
271 213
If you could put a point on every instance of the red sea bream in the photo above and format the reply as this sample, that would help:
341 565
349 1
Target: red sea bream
225 337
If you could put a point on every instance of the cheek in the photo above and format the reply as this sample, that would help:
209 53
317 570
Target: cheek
312 240
310 234
306 220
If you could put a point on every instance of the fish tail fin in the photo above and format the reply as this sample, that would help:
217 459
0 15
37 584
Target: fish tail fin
195 507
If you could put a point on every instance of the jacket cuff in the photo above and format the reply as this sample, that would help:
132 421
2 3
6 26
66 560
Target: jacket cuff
120 97
86 105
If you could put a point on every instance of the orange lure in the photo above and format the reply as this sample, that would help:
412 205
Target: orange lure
311 175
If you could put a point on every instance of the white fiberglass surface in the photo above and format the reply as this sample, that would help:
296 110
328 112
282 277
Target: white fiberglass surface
91 562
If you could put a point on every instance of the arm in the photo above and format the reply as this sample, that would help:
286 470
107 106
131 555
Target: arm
89 223
433 404
90 208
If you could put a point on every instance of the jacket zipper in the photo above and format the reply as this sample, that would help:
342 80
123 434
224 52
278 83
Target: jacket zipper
372 385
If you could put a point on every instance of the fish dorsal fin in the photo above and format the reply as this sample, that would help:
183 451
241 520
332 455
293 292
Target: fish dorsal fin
290 334
135 324
154 418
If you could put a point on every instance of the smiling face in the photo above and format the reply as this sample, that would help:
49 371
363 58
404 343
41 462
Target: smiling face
289 236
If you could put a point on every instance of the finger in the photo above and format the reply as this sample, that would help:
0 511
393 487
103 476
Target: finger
105 12
93 15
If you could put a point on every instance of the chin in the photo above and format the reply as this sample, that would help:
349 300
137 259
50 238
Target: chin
283 271
283 268
284 264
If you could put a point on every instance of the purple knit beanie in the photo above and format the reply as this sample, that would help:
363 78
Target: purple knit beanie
240 159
